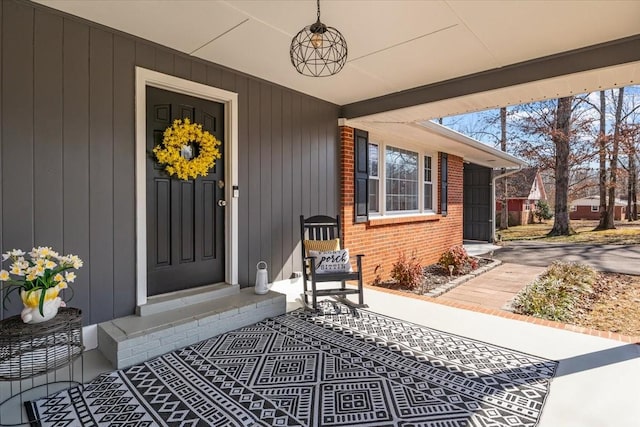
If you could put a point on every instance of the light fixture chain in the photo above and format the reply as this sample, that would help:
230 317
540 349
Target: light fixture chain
318 1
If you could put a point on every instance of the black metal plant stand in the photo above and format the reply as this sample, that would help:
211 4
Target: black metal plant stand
38 358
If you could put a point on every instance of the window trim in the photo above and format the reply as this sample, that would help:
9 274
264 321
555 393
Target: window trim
595 208
374 179
434 200
382 177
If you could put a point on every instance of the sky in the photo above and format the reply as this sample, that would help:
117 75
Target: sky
475 126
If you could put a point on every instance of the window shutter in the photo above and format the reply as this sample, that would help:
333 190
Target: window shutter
444 187
361 169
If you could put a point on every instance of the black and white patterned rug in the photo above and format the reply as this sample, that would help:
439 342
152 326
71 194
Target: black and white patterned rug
338 367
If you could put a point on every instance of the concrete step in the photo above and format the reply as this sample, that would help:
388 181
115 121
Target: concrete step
134 339
184 298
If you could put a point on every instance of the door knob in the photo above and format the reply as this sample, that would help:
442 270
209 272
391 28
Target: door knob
222 203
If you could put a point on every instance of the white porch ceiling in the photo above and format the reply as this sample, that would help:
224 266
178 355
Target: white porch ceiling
394 45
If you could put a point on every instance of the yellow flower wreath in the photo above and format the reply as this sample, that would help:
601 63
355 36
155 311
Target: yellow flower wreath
179 135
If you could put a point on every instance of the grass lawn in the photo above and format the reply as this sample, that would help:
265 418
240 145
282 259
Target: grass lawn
625 233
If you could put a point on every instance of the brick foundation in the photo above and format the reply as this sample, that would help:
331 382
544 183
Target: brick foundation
382 240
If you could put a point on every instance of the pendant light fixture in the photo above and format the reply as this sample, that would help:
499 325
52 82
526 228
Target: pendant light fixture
318 50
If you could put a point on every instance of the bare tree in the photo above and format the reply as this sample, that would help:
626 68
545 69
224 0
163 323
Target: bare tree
629 136
534 128
561 135
504 213
602 157
609 145
613 167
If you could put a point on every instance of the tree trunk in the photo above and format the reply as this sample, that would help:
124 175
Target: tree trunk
613 166
635 197
602 156
632 209
631 184
504 213
561 137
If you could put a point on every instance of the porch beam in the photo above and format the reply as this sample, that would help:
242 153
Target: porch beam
616 52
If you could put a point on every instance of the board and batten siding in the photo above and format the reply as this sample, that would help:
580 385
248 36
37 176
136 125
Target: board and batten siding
67 141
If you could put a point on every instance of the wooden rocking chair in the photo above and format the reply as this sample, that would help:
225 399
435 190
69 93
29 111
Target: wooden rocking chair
324 233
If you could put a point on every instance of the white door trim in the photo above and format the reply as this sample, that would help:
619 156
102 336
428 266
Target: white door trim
146 78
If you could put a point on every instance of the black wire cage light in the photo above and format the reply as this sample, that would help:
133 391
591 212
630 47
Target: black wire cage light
318 50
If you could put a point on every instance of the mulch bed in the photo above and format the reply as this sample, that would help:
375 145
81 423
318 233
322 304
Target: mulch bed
434 275
613 306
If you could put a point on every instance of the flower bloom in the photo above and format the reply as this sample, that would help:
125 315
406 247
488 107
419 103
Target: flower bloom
15 269
75 261
70 276
58 277
4 275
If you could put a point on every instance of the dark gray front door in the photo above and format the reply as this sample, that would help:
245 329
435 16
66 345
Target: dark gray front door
477 203
185 224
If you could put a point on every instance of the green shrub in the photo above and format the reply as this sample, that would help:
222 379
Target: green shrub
407 272
546 298
578 277
554 296
457 257
543 211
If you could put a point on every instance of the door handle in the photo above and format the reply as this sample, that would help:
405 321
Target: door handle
222 203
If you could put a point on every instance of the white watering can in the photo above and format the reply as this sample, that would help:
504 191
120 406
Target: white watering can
262 278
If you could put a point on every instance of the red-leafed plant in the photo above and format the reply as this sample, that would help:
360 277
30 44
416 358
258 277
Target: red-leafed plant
455 259
407 271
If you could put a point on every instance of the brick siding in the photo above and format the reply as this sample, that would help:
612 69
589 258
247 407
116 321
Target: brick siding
382 240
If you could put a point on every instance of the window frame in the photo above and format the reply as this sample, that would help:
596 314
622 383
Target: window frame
431 182
595 208
382 179
374 179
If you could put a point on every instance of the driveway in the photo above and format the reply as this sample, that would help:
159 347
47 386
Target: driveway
612 258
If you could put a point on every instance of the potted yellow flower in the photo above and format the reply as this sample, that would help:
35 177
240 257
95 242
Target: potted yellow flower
39 275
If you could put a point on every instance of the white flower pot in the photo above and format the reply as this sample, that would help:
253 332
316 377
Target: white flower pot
31 311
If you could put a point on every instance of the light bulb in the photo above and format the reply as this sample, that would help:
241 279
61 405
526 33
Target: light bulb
316 40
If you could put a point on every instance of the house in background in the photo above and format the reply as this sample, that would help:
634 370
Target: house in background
524 189
589 208
89 87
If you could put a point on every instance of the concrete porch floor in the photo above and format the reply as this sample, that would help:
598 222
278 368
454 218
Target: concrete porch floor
596 383
597 380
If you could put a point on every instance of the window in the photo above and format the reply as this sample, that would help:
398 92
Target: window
374 178
574 208
401 180
428 184
444 183
595 208
527 206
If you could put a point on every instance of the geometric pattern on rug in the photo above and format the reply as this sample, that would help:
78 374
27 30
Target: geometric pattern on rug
338 366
